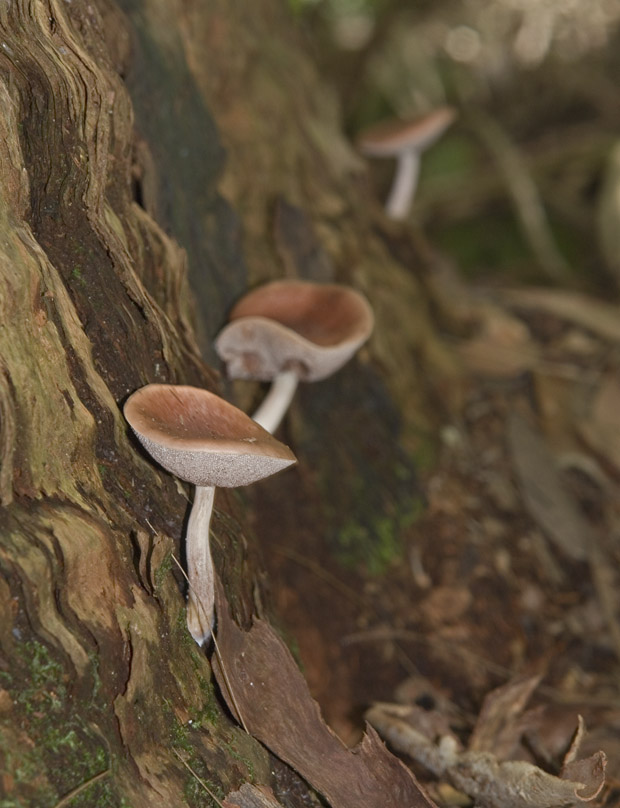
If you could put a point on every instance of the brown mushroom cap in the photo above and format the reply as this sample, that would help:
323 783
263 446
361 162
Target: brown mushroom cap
203 439
390 138
310 328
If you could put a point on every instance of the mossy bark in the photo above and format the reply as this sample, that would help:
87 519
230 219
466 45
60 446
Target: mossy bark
109 167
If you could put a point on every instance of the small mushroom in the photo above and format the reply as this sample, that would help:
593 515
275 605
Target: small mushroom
404 140
203 440
291 331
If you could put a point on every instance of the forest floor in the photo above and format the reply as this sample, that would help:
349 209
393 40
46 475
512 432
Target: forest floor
511 571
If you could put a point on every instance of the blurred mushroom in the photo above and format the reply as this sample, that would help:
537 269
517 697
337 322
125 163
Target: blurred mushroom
404 140
203 440
287 331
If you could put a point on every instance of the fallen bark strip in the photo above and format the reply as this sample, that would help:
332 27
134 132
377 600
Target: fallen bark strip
264 688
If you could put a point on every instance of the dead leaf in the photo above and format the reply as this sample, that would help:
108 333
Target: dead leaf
264 688
543 493
499 728
502 347
600 427
590 772
446 604
517 784
490 782
594 315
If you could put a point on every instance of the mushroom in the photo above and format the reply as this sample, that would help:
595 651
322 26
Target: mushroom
291 331
404 140
203 440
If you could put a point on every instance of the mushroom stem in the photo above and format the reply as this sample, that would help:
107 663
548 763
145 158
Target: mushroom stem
277 400
200 599
404 185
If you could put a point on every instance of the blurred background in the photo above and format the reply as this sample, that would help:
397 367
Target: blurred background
526 185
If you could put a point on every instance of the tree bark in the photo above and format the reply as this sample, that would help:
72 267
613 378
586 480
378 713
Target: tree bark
110 177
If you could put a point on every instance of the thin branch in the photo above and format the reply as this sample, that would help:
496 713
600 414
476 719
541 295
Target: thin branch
82 787
197 778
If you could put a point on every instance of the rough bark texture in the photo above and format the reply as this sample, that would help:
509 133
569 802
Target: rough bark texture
109 164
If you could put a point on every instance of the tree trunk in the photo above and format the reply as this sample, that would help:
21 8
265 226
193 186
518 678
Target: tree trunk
110 161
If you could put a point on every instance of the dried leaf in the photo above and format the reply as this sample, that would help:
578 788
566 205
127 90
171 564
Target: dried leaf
503 347
600 427
575 744
517 784
491 783
263 686
544 495
594 315
590 772
395 723
498 729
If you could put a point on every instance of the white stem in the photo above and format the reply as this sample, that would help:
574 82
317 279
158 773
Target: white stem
200 599
403 185
277 400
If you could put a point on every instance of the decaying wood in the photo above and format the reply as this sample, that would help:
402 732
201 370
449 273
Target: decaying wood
109 163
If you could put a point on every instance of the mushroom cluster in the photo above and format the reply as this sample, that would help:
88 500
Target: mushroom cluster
204 440
283 332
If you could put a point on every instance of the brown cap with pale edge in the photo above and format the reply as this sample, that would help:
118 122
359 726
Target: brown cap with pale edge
310 328
390 138
203 439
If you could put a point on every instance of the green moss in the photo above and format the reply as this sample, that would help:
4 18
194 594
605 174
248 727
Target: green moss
453 157
377 543
236 751
162 571
181 632
195 792
210 713
77 275
66 751
179 733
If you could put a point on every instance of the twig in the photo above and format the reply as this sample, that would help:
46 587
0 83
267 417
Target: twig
82 787
198 778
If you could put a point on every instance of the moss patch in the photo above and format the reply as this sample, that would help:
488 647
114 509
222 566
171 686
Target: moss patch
366 482
48 750
377 543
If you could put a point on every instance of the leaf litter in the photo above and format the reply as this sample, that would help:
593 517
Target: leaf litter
510 594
